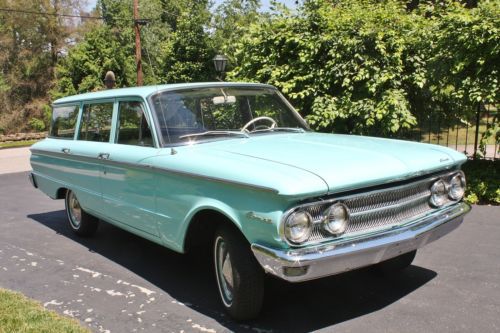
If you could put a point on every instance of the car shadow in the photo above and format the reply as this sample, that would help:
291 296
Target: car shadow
301 307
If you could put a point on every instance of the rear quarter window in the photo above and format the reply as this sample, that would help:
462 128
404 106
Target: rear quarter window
63 121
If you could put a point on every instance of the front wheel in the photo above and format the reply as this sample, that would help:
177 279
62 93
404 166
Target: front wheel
82 223
240 279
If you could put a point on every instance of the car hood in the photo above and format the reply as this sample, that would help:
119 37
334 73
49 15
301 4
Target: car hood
343 162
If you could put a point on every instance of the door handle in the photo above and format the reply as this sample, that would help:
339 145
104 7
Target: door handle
103 156
66 150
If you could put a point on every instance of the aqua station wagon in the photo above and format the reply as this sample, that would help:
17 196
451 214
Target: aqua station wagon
233 170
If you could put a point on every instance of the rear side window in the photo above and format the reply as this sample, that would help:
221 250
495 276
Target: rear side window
96 122
133 128
63 121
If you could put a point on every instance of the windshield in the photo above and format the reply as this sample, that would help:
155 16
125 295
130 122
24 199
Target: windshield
217 113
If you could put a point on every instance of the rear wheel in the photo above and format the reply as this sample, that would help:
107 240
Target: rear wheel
82 223
240 279
396 264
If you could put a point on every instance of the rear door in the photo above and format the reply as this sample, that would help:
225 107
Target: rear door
92 138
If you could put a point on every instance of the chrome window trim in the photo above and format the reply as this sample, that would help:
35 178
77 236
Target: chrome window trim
146 111
164 144
76 104
79 124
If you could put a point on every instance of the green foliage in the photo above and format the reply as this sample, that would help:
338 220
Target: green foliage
175 48
31 45
83 69
483 181
230 22
492 133
347 67
37 124
373 67
353 66
465 54
188 53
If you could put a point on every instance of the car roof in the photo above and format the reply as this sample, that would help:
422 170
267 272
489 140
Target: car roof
146 91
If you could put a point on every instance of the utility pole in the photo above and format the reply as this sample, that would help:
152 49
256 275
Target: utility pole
137 29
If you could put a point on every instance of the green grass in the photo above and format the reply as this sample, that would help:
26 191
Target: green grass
17 144
456 136
19 314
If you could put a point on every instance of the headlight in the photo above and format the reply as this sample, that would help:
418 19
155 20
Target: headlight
298 227
439 193
457 186
336 219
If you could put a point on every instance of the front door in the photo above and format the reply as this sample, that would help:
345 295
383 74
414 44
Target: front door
128 188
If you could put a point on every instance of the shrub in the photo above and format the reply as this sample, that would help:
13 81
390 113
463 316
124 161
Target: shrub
37 124
483 181
348 67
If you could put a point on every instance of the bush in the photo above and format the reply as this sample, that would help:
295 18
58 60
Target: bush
347 67
483 181
373 67
37 124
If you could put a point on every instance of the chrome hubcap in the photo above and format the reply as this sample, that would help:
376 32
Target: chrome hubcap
74 211
224 271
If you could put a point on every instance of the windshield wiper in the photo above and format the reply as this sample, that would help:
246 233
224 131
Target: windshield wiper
280 129
215 133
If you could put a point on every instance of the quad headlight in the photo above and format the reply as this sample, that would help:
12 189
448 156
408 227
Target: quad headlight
297 228
457 186
336 219
443 191
439 193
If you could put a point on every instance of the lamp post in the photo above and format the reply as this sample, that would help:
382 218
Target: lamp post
220 63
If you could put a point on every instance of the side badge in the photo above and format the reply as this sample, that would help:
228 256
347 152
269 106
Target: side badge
253 216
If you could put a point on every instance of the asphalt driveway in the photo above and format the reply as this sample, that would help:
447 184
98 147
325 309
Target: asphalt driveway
117 282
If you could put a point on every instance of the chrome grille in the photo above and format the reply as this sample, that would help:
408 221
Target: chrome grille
377 210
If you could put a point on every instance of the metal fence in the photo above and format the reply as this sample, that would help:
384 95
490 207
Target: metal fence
462 133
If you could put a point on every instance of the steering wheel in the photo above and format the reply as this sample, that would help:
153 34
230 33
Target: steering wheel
271 120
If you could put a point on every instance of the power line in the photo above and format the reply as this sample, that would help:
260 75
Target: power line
141 21
10 10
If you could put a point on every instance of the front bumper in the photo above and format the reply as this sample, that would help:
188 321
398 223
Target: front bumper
310 263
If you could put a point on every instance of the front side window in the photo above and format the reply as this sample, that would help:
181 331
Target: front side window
133 127
221 112
96 122
63 121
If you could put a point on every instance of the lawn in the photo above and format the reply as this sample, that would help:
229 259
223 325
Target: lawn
16 144
19 314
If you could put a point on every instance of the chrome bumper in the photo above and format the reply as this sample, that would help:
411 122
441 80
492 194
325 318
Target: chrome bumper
310 263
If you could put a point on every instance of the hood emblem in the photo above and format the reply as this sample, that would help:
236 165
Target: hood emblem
444 159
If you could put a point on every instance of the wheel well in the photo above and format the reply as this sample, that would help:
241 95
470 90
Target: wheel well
61 193
202 228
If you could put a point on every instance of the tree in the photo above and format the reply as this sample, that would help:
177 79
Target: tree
374 67
175 47
230 22
347 66
188 53
466 53
31 46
